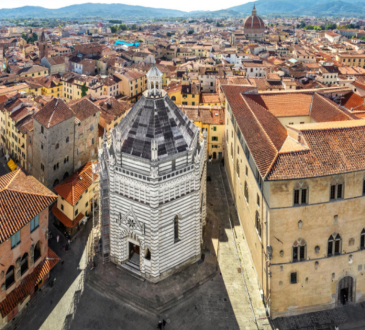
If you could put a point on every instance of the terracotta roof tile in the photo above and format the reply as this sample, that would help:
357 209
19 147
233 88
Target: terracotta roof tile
53 113
331 150
72 187
22 197
261 130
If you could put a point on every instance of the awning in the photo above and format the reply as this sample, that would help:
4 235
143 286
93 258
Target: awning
12 165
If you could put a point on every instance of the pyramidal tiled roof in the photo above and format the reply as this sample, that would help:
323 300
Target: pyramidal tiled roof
22 197
156 119
53 113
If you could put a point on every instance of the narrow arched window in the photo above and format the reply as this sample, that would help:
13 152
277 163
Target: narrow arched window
231 149
299 250
258 223
238 167
147 254
246 191
334 245
176 228
362 239
24 263
10 277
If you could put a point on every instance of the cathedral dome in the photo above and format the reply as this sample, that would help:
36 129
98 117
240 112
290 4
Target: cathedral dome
253 21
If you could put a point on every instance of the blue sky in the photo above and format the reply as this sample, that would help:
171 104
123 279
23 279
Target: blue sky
186 5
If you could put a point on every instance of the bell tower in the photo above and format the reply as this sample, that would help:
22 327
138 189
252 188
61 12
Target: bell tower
42 46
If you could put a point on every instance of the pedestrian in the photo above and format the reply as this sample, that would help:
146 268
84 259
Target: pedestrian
336 327
163 323
58 238
159 325
69 241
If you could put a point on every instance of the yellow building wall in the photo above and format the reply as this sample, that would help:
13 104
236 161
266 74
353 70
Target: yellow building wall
36 74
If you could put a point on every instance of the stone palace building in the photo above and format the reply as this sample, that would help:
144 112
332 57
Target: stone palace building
153 187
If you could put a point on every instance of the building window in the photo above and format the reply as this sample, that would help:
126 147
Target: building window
24 264
76 212
258 200
334 245
293 278
299 250
34 223
37 251
176 228
258 224
232 150
214 129
10 277
42 146
15 239
238 167
301 195
61 207
214 138
42 167
246 191
42 129
362 239
67 139
363 187
336 191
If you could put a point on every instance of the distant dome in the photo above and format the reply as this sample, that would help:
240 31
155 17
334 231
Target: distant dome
254 21
254 27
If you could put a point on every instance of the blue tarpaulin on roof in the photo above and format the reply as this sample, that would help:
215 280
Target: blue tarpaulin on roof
122 42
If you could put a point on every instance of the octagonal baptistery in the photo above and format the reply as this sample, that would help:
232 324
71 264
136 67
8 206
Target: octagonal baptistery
254 27
153 175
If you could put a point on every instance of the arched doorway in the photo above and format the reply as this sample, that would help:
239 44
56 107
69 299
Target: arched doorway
56 182
214 155
345 289
65 176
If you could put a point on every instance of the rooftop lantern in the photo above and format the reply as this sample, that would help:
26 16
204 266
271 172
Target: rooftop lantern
154 80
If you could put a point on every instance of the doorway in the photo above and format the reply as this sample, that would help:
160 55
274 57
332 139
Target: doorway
134 253
345 290
214 155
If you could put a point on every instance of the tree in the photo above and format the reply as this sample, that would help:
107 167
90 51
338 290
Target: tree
35 36
123 27
24 36
113 29
84 90
134 27
191 31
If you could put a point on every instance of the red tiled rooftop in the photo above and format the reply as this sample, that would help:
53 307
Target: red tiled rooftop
22 197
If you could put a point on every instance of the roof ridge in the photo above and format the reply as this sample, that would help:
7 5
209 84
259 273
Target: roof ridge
258 120
11 180
29 193
336 107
